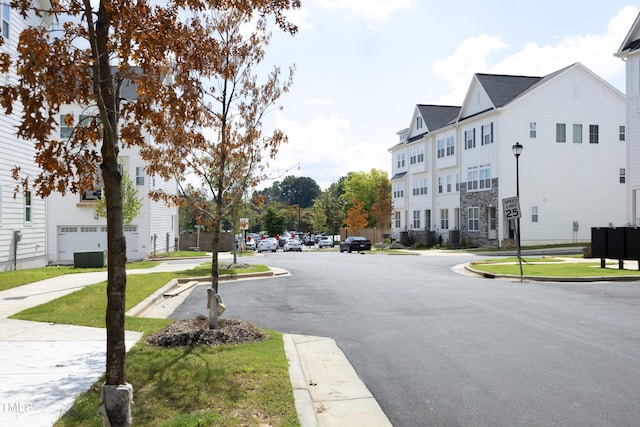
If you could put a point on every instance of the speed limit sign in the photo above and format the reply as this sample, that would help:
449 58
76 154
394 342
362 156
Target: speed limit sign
511 207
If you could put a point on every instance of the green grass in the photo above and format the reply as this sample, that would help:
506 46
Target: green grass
11 279
515 259
565 269
181 254
245 385
86 307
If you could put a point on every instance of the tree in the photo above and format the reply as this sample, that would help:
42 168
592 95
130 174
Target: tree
356 215
300 191
97 49
131 202
274 220
219 134
382 208
363 186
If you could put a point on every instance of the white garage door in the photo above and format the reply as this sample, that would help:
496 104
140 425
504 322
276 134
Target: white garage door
92 238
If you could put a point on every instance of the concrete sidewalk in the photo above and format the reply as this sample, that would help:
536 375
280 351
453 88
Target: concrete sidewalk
44 367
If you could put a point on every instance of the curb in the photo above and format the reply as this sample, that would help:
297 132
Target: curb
158 295
302 396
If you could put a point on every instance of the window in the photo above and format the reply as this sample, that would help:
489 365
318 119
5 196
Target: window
413 156
27 206
91 195
139 175
398 190
66 126
472 178
623 177
474 219
532 130
487 134
416 219
6 12
439 184
400 159
444 219
469 139
419 187
448 183
561 132
577 134
440 148
420 154
451 146
457 182
397 220
534 214
593 134
485 176
427 219
622 133
418 122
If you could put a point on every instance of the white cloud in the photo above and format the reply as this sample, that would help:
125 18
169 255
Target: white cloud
316 102
299 17
366 10
325 150
595 51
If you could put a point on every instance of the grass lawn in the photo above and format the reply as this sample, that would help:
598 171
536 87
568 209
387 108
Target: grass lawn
245 385
555 269
11 279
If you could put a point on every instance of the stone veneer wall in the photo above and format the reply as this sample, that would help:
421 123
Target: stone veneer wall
481 199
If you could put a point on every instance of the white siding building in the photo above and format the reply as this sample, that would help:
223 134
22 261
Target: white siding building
630 52
23 216
73 226
571 124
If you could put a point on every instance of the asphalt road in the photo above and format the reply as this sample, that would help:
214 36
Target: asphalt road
437 348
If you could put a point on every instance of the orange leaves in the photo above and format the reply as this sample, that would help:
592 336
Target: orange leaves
356 215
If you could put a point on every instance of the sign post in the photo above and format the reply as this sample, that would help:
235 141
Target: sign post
511 208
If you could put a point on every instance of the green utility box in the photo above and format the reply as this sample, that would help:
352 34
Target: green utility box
90 259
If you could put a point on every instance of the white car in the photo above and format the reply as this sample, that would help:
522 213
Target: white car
325 242
292 245
251 245
268 244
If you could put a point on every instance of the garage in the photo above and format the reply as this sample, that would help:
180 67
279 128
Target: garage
92 238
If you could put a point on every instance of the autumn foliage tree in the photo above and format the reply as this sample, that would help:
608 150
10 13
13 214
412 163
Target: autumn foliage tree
83 54
223 143
356 215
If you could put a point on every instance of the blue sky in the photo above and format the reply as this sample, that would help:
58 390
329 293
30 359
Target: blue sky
362 66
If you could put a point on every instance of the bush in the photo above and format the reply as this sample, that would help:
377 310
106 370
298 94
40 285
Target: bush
586 251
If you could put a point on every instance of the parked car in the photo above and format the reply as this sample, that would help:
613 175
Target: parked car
268 244
325 242
355 244
292 245
309 241
251 245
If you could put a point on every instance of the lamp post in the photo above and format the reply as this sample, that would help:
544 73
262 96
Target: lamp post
517 150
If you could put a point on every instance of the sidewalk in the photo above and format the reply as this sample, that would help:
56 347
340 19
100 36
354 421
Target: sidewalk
44 367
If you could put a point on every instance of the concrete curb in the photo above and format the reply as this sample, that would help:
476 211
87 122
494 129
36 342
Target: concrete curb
304 403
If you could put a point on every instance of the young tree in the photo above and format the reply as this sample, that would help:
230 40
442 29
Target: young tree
131 202
363 186
95 50
224 144
356 215
382 208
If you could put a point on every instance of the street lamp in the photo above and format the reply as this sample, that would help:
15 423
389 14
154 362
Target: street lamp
517 150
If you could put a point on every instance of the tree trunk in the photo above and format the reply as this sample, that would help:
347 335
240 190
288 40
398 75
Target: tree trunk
215 264
117 395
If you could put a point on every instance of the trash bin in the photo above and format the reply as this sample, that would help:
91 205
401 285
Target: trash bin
90 259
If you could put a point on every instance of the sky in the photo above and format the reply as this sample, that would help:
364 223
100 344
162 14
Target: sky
363 65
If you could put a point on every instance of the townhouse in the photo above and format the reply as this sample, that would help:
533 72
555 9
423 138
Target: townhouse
72 222
572 170
22 214
629 52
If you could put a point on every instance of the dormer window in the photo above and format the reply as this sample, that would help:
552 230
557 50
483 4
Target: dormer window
6 13
418 122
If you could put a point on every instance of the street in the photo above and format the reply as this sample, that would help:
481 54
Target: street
438 348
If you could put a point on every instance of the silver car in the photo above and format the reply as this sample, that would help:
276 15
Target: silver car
268 244
292 245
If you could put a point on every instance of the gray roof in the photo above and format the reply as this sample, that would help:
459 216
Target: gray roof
438 116
503 89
